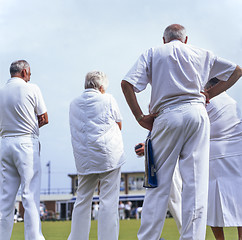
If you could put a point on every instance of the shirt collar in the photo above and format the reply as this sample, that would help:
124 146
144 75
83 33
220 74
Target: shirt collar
175 40
16 79
91 90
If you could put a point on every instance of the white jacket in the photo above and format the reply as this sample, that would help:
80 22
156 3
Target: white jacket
96 138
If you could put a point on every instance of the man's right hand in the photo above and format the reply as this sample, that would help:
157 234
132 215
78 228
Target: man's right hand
140 149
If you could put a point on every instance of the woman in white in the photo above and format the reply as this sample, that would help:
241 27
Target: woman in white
95 124
95 209
225 164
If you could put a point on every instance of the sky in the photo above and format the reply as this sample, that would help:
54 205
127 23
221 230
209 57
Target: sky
63 40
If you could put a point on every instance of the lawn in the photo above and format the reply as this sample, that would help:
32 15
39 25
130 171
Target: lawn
128 230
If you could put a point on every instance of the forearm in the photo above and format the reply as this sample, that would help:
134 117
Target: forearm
224 85
131 99
119 125
43 119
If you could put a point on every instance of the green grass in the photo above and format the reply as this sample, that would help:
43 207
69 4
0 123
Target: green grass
128 230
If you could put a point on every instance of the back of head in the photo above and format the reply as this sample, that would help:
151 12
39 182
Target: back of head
96 79
18 66
174 31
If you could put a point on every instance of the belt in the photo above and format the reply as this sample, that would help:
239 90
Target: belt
177 106
23 135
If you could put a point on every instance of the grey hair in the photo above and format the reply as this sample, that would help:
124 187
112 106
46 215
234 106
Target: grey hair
96 79
175 31
18 67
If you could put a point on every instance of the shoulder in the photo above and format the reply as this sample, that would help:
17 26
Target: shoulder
198 50
109 98
30 89
75 101
153 50
148 52
33 87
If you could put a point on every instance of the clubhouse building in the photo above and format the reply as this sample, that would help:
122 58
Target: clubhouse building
59 206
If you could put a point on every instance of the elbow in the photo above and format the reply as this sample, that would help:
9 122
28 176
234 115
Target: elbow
123 84
119 125
46 118
126 86
43 119
240 71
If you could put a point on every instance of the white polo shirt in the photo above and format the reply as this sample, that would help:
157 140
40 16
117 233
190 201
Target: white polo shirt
20 103
96 138
177 72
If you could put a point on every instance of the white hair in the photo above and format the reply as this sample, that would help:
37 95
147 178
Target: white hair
96 79
175 31
18 66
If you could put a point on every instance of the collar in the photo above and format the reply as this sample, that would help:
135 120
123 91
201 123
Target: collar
16 79
91 90
176 40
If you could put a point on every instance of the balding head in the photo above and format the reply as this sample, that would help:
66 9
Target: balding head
175 32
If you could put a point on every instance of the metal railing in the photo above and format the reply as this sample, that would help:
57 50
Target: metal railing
45 191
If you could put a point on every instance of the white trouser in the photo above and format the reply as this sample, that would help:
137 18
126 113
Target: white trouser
20 166
108 218
174 202
182 132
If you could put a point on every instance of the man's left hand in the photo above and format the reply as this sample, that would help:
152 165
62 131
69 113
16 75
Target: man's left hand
148 120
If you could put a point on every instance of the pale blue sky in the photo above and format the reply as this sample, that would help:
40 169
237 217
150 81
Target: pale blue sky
63 40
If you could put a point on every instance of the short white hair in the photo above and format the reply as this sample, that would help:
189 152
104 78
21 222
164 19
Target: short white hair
175 31
18 66
96 79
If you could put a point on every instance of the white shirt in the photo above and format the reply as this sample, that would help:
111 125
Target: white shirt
20 103
177 73
226 127
96 138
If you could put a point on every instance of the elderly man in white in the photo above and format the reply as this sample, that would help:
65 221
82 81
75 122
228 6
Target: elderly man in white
95 124
22 112
174 201
179 125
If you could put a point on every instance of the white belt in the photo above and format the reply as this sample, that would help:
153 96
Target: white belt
23 135
177 106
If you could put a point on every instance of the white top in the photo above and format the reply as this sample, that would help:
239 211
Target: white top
96 138
225 165
226 127
20 103
177 72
